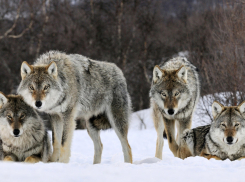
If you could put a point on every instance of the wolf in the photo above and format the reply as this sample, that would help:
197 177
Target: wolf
70 86
174 93
22 132
223 139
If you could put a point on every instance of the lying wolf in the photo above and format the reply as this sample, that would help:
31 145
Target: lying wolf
69 86
22 132
223 139
174 94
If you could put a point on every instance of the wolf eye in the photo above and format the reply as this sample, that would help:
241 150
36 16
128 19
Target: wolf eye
237 124
22 116
223 124
31 88
163 94
46 87
177 93
9 117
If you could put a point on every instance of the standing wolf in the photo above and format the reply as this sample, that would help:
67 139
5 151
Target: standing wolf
174 94
22 132
66 86
223 139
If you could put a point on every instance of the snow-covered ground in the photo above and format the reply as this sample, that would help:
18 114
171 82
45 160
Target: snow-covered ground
113 169
146 168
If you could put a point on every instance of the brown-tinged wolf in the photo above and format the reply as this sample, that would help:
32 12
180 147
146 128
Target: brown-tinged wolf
174 93
68 86
22 132
223 139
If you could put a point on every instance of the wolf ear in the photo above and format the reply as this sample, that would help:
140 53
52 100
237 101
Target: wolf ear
25 69
157 73
217 108
241 107
3 99
52 69
182 73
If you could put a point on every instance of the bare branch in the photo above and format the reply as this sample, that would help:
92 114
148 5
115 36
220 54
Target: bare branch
142 125
23 32
15 21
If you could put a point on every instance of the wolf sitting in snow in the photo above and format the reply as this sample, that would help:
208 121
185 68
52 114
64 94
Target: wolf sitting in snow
223 139
67 86
174 94
22 132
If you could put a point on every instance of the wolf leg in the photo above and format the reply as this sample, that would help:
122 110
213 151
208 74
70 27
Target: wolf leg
125 145
183 150
32 159
178 134
159 126
119 122
47 149
170 130
182 125
68 130
57 129
98 146
118 114
187 141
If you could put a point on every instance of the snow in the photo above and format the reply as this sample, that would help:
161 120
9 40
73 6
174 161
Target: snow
146 167
112 169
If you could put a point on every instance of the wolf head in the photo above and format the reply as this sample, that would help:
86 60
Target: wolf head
229 123
39 86
15 114
169 89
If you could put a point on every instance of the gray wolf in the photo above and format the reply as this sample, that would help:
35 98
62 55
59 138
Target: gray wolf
223 139
23 134
73 86
174 93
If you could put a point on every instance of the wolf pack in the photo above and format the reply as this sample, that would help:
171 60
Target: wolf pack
70 86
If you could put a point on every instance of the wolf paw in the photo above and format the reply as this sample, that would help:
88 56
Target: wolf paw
54 158
8 159
32 159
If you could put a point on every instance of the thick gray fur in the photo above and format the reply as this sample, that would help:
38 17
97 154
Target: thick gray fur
34 139
84 88
211 139
195 139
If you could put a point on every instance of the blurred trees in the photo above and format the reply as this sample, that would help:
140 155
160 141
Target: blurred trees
134 34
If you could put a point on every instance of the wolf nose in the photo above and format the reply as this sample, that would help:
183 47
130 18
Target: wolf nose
170 111
38 103
229 139
16 132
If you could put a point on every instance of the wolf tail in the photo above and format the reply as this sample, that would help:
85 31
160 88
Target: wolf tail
164 134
